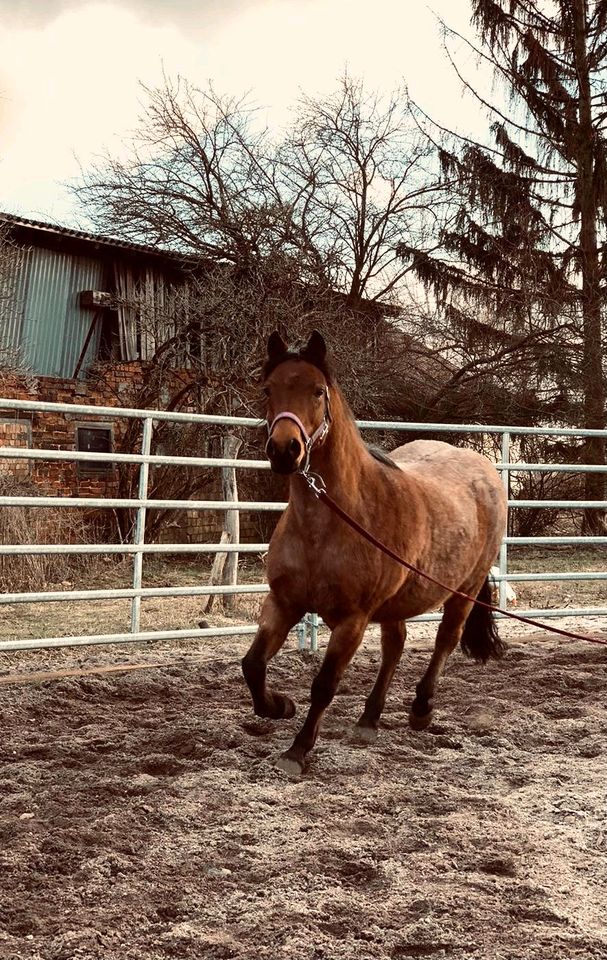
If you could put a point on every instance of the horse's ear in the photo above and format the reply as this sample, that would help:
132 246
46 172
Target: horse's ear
276 347
316 349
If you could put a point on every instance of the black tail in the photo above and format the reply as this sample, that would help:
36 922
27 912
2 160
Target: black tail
480 639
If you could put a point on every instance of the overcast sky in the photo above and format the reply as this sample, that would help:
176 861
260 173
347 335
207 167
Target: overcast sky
70 70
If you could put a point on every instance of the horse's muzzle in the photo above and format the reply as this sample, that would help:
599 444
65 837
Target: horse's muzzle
284 459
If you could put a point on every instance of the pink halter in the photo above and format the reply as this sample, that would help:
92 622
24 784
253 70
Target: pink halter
318 435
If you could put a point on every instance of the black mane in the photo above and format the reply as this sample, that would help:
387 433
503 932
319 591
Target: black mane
378 454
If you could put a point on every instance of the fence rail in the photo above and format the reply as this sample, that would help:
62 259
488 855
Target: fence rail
138 548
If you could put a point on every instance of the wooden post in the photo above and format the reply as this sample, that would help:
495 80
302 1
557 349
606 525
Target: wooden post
217 572
229 491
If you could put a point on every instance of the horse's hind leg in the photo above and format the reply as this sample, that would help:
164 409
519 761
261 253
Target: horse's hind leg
392 643
274 624
449 634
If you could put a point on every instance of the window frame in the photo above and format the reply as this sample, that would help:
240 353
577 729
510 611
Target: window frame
90 469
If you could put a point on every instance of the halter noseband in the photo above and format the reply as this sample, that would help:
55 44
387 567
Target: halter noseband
309 440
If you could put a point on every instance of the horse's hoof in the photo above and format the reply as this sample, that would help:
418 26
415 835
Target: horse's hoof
285 707
420 721
293 768
364 734
278 708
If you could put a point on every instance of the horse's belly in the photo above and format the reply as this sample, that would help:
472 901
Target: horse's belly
410 601
333 603
391 594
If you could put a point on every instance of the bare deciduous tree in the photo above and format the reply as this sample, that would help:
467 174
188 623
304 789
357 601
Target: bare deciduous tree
288 236
327 206
11 307
199 178
360 180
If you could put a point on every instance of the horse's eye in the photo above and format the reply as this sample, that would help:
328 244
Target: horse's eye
319 391
265 391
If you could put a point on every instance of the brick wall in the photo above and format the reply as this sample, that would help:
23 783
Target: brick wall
120 385
15 433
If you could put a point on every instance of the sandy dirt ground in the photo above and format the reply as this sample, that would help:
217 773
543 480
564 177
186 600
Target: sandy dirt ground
141 816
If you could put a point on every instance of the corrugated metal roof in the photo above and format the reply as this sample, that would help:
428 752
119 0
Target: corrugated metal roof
54 325
42 323
11 220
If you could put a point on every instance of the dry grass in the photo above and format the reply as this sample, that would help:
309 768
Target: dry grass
31 525
25 621
76 618
554 593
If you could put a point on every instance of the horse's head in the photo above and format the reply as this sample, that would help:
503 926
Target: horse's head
296 386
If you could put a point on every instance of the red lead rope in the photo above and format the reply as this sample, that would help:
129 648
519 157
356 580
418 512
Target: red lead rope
322 494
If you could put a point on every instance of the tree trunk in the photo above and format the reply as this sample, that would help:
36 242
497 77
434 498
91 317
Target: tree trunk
593 378
229 491
217 572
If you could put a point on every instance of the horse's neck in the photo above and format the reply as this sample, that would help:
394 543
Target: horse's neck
343 462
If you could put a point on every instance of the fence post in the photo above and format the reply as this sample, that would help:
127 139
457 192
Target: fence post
503 591
139 533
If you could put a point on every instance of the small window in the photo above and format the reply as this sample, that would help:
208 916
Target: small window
109 339
94 440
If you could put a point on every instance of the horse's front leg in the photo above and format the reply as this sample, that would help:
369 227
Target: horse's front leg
275 622
345 640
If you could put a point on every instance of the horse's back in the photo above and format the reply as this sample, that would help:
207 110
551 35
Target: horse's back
428 457
453 477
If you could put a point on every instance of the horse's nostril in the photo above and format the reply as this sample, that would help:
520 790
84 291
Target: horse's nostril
295 447
271 448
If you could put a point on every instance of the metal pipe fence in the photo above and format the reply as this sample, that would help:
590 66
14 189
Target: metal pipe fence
138 548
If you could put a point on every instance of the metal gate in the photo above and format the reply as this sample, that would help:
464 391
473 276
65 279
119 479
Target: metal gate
138 548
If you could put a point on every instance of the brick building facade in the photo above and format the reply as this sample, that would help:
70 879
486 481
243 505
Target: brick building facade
119 386
82 316
58 431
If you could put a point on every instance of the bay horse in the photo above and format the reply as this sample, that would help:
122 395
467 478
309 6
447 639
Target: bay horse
440 507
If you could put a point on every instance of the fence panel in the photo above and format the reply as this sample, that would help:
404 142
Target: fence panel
308 630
